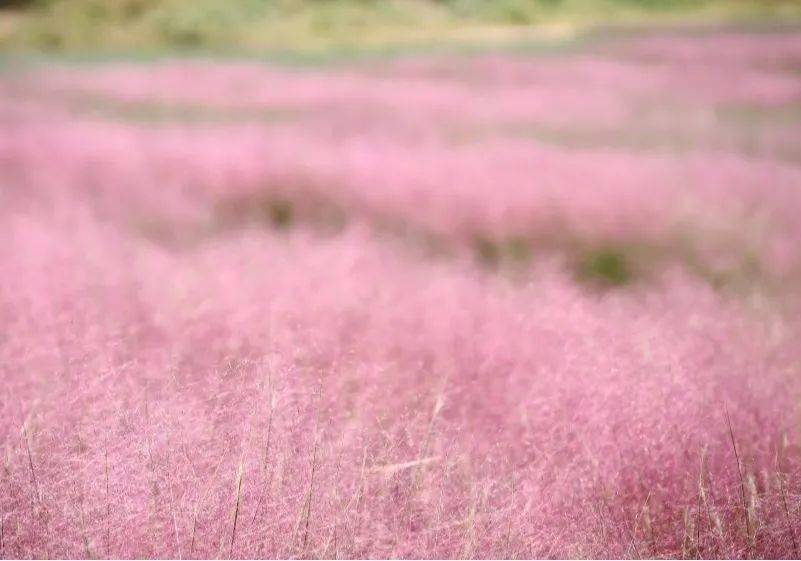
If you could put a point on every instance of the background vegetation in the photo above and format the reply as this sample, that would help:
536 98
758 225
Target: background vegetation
311 25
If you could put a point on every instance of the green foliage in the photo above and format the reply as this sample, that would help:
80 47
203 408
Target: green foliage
201 22
320 25
514 12
280 213
514 250
487 251
606 266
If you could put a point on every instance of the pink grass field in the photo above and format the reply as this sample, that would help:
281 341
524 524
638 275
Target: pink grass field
501 305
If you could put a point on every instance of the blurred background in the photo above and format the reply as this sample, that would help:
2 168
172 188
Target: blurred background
322 25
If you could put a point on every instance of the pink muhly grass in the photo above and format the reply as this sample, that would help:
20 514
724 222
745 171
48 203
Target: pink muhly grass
221 339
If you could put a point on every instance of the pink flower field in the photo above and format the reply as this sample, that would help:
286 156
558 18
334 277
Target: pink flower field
505 304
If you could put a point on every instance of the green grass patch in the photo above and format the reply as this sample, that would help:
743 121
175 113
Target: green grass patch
608 266
279 212
511 251
242 26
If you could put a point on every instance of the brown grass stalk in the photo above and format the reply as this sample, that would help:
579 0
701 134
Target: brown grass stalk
742 480
239 477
